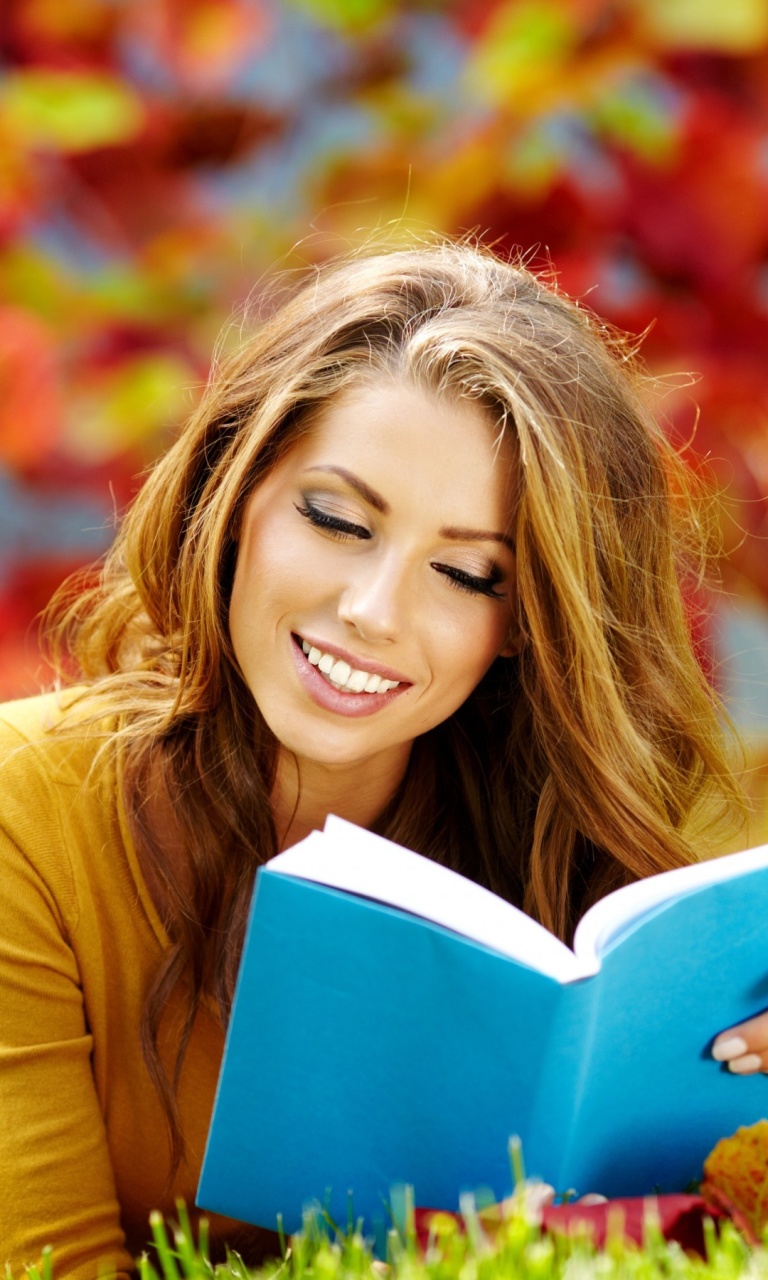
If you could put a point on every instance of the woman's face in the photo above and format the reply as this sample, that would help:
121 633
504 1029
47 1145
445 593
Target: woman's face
375 576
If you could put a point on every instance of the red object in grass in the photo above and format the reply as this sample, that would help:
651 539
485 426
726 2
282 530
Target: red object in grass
680 1218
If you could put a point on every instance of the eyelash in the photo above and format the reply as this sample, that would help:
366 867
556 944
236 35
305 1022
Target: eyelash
332 524
463 581
459 579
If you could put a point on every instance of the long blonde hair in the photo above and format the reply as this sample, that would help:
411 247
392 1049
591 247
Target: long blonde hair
574 767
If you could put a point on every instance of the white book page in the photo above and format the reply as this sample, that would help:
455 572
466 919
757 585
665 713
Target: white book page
344 856
618 911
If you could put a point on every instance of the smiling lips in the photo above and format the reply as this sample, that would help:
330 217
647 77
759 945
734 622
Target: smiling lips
344 677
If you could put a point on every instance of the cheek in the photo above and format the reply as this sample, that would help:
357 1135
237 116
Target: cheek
257 574
277 572
464 650
267 553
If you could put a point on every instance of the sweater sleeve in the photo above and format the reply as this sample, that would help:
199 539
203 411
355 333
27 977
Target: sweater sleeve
56 1182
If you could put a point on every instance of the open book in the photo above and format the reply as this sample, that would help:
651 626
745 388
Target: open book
395 1023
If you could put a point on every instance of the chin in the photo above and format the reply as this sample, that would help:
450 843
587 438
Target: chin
336 748
329 755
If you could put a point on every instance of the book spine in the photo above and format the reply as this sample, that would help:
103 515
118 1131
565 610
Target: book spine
562 1083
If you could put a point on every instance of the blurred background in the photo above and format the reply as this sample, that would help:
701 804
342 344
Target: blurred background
159 157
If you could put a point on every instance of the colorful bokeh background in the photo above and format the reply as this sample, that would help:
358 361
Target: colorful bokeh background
159 157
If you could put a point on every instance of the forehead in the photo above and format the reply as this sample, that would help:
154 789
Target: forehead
399 436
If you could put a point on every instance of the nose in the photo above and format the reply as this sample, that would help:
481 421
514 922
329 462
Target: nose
374 600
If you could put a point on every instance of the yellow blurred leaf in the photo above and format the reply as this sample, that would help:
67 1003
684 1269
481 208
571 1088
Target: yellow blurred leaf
533 162
37 283
733 26
631 114
69 111
522 48
127 405
122 292
344 15
459 180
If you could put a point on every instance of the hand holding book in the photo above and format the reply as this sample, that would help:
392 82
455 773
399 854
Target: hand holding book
744 1047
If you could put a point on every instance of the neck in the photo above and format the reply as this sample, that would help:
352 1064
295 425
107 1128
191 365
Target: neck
306 792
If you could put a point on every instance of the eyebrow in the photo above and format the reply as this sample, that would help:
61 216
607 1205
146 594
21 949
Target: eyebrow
373 498
452 533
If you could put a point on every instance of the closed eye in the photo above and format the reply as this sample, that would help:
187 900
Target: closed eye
334 525
476 586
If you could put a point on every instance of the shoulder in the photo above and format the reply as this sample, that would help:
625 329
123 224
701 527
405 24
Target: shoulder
57 787
43 748
27 720
31 719
43 737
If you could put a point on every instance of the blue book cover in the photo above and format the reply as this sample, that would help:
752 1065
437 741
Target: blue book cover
394 1023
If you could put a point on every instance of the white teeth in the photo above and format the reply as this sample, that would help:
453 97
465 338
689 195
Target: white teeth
340 672
342 676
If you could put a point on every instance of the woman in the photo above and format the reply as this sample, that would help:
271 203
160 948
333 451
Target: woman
416 561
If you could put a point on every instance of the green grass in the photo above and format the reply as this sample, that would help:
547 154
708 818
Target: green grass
519 1252
513 1248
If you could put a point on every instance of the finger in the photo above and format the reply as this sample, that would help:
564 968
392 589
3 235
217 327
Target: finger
750 1036
747 1064
744 1047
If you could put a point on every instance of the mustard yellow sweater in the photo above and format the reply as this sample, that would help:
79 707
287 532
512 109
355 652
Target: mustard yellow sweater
83 1149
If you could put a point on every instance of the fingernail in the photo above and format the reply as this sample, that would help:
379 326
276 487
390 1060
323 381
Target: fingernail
746 1065
724 1050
